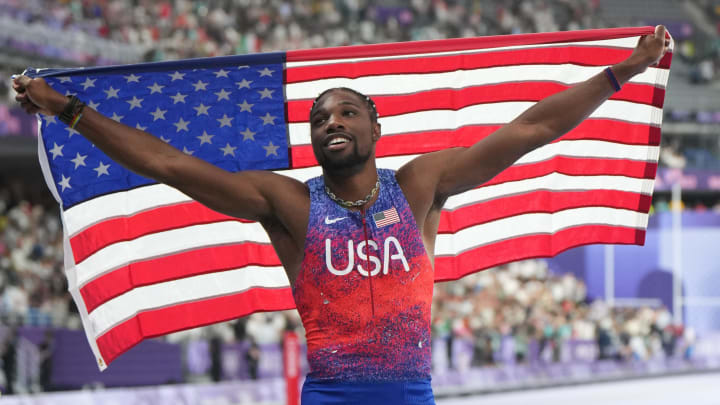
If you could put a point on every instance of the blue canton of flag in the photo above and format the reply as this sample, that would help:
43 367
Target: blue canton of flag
227 111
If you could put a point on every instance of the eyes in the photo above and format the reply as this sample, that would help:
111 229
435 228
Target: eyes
320 118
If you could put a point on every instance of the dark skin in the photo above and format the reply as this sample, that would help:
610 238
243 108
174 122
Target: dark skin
282 204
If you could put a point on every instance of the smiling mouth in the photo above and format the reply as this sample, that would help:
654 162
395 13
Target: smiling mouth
337 142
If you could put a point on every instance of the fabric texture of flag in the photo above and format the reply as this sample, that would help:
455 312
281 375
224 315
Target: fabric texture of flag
143 259
385 218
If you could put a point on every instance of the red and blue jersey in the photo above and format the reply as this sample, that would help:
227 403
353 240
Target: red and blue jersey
364 291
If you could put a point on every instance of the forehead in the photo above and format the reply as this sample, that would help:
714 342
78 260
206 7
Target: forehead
337 97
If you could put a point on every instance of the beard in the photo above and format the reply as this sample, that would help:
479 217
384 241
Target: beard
350 163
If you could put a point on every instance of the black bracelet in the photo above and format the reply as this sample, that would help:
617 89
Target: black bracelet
73 109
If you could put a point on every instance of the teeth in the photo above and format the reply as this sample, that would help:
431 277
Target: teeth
337 141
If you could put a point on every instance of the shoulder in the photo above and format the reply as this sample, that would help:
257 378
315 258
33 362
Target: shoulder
425 172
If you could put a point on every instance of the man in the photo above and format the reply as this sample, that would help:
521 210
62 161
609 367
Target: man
356 243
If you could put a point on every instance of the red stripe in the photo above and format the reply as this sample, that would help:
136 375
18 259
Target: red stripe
176 266
576 55
533 246
461 44
162 321
96 237
456 99
540 201
430 141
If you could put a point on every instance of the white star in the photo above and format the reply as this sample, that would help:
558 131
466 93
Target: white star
56 150
93 105
102 169
248 134
222 94
202 109
71 132
155 88
271 149
132 78
228 150
178 98
265 72
200 85
158 114
140 127
135 102
221 73
225 121
268 119
243 66
69 93
79 160
88 83
245 106
177 76
49 119
205 138
181 125
265 93
64 79
117 117
166 140
244 83
188 151
111 92
65 183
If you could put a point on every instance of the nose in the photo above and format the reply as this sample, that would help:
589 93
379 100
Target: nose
334 123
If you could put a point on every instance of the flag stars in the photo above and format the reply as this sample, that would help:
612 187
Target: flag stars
271 149
71 132
265 93
187 151
243 84
135 102
69 93
205 138
225 121
111 92
132 78
116 117
200 85
158 114
202 109
79 160
93 105
140 127
178 98
268 119
248 134
49 119
177 76
166 140
102 169
65 79
64 183
228 150
222 95
155 88
266 72
56 150
88 83
221 73
245 106
181 125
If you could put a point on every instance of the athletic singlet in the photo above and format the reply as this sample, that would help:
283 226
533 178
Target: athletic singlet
360 325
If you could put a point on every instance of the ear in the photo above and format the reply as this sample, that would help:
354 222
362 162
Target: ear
376 132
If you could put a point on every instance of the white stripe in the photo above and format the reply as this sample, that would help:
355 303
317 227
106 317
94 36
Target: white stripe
628 42
485 114
552 182
536 223
165 243
406 83
120 204
183 290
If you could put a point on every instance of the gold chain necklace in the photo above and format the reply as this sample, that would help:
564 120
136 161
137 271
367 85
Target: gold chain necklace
358 203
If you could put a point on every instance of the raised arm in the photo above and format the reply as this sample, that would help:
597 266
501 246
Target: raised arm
455 170
252 195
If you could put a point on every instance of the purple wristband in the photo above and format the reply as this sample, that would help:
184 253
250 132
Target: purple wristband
613 80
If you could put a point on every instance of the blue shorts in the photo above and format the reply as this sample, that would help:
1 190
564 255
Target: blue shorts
324 392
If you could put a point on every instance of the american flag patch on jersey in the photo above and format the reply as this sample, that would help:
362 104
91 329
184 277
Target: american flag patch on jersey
387 217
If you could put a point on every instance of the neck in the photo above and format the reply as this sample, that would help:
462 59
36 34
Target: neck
355 186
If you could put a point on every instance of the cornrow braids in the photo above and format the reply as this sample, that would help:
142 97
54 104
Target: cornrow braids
369 103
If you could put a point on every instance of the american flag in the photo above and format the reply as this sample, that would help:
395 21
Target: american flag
143 259
385 218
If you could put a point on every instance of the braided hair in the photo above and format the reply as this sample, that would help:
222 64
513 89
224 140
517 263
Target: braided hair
369 103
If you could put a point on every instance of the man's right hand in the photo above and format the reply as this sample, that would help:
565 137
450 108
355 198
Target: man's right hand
36 96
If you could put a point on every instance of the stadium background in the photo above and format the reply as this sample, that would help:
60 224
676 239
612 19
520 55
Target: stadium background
591 314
